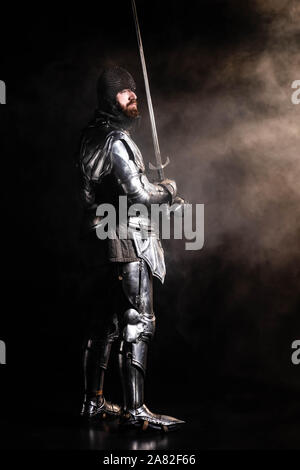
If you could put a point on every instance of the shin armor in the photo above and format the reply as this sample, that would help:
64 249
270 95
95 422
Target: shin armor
138 324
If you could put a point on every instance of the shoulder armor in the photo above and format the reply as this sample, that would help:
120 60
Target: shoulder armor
95 159
95 153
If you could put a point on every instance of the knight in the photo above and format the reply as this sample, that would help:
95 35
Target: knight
111 165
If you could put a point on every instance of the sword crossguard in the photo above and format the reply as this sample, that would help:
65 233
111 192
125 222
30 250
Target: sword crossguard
153 167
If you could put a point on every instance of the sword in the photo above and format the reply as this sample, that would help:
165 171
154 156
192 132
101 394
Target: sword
159 166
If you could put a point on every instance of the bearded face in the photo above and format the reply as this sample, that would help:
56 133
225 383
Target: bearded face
127 102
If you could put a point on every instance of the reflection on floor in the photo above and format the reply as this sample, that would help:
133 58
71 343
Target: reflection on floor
247 422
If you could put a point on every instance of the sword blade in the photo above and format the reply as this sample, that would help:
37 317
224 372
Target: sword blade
148 94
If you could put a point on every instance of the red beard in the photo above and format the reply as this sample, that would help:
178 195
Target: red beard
130 111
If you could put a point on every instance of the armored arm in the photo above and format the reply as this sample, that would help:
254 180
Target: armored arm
135 184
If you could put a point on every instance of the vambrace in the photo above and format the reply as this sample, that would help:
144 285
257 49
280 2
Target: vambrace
135 184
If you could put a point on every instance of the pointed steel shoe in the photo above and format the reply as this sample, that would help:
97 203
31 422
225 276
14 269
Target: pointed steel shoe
144 419
99 407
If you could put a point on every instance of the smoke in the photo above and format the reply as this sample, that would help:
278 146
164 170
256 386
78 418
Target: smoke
234 138
233 135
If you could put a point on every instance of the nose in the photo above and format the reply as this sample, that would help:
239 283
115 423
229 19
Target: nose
132 95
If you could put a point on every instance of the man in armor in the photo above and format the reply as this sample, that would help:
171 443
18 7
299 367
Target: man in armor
111 165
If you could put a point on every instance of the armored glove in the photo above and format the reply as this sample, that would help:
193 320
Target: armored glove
171 187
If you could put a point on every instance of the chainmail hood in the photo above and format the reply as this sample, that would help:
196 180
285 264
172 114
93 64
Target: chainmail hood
110 83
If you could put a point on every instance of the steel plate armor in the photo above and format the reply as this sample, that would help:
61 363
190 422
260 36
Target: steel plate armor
111 165
120 158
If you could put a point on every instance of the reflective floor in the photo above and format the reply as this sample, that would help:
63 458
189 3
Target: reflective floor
246 422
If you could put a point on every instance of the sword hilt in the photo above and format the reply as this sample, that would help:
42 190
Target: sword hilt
159 167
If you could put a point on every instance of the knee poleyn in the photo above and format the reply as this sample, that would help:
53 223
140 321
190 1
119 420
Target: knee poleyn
138 326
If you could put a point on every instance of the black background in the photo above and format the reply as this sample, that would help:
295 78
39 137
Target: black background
224 326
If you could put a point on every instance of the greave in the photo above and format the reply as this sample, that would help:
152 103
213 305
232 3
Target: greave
95 361
132 377
136 413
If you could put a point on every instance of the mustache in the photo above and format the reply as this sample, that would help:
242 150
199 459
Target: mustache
133 101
